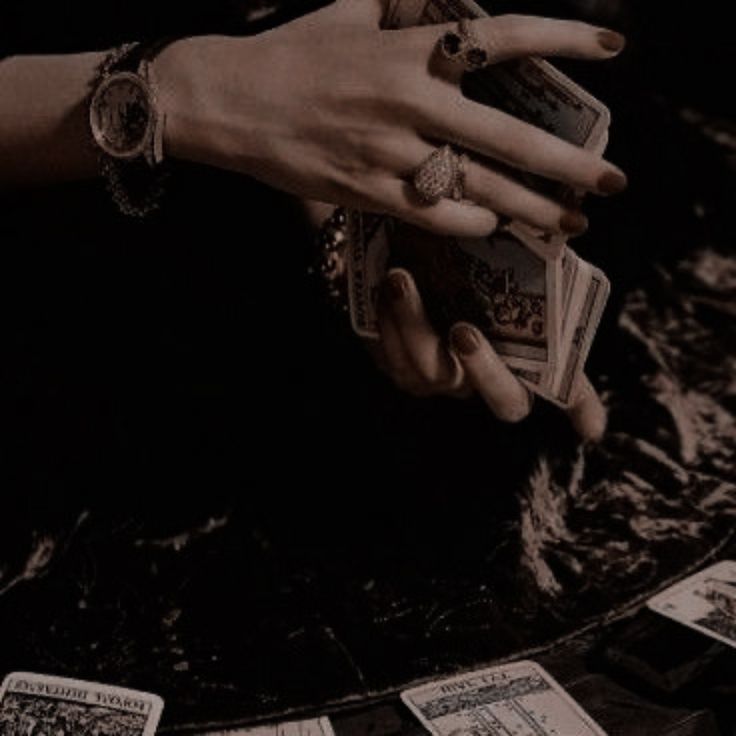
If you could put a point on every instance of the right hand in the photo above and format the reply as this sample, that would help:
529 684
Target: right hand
330 107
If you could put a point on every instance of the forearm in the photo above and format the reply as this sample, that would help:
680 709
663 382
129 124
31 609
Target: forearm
44 130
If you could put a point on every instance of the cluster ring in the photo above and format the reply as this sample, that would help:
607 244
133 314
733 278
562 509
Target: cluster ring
441 175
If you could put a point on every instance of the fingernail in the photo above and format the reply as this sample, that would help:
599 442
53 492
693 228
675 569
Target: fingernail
398 287
590 422
573 223
612 182
611 41
464 340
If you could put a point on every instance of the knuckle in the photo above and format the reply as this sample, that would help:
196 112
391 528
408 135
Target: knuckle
501 34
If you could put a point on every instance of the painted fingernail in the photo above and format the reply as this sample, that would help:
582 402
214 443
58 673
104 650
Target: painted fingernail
612 182
611 41
573 223
398 287
464 340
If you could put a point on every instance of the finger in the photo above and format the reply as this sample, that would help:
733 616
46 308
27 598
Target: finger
507 37
512 36
494 192
447 217
500 136
486 372
395 360
587 414
498 192
433 362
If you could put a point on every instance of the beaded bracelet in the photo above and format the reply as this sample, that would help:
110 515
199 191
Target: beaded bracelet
331 239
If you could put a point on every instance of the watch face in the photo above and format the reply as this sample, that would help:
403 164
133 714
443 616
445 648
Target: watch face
121 115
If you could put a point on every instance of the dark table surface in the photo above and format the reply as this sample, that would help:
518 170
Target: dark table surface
213 495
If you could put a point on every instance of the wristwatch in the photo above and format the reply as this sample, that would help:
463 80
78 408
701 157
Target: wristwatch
124 117
127 127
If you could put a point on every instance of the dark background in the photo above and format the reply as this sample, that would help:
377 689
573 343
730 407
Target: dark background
209 490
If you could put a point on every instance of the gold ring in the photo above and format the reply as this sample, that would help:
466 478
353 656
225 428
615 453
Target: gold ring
440 175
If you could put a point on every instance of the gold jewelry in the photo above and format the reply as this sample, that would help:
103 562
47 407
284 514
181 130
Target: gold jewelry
440 175
127 128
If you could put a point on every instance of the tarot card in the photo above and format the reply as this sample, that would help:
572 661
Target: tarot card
705 602
586 304
504 284
519 699
367 256
32 703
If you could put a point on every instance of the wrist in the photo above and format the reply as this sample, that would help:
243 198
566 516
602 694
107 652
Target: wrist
175 97
191 81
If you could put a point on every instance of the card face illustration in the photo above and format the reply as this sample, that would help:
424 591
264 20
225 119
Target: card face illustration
519 699
705 602
31 703
503 284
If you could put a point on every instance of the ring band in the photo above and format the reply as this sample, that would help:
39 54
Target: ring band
441 175
464 47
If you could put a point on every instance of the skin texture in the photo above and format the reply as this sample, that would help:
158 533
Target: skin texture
331 108
348 112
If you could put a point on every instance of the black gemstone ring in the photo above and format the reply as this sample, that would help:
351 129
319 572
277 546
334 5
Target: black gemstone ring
462 46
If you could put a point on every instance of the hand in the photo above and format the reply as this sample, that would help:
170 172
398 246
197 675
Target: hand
330 107
418 361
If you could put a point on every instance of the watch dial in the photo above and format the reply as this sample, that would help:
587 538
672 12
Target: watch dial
121 115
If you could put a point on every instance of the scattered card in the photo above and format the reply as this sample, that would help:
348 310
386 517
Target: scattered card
44 704
519 699
705 602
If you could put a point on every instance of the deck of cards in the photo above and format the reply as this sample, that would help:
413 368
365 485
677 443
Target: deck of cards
540 307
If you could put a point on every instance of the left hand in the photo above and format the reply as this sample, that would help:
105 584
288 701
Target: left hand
421 363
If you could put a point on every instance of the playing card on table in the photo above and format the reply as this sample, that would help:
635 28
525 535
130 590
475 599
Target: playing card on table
519 699
64 707
705 602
